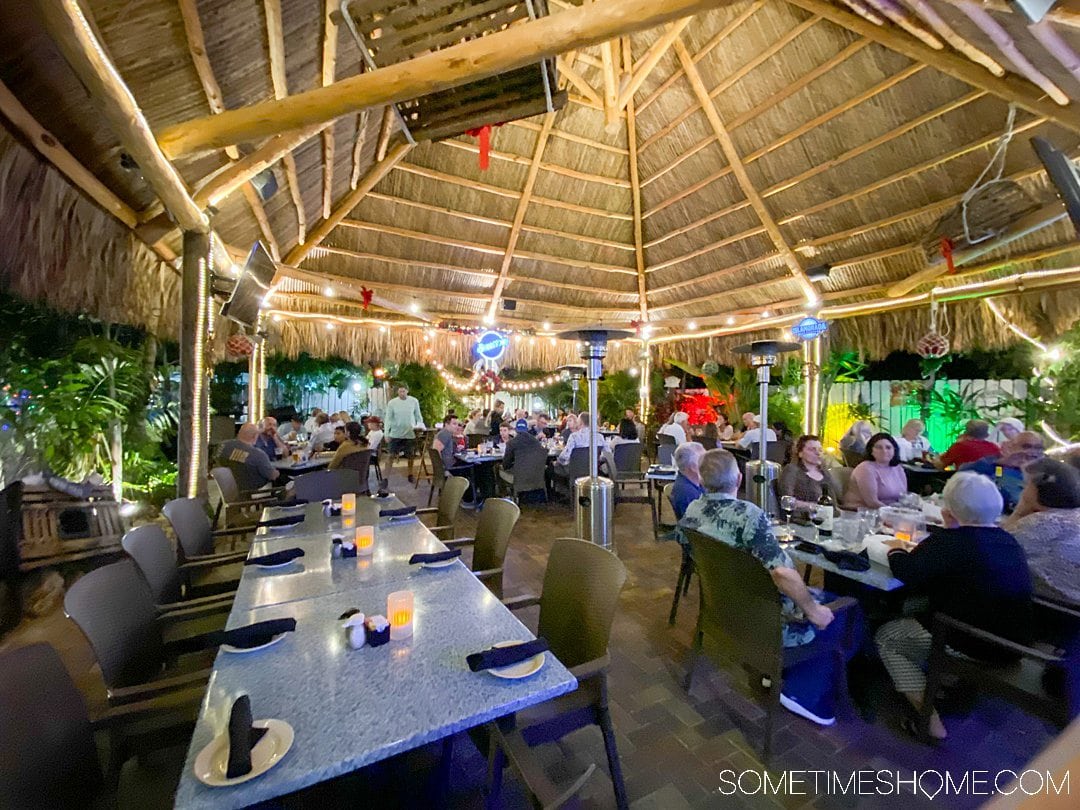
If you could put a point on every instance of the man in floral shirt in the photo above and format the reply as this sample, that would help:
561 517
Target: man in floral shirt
720 514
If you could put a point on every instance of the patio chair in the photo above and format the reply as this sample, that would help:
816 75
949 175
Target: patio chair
50 755
493 530
238 509
322 484
530 471
1045 684
474 440
361 463
665 454
194 533
577 606
450 494
774 451
627 458
174 586
686 566
576 467
841 475
852 459
740 611
440 474
663 530
137 648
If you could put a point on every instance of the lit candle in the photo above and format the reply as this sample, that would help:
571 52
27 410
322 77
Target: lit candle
348 503
365 540
348 522
904 530
399 609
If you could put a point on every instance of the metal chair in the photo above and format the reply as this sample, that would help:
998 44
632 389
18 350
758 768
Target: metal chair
577 607
775 451
439 474
359 461
627 460
194 533
131 640
686 566
450 494
323 484
173 586
493 530
50 758
236 508
740 610
665 455
530 470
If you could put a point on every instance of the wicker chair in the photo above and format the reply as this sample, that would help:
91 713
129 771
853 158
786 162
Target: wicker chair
493 530
450 494
577 607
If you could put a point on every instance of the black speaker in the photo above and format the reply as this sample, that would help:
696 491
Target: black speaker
509 303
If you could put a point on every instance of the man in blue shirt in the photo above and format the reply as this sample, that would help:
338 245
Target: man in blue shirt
269 441
687 487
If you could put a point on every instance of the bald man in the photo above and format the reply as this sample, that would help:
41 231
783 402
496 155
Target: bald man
250 465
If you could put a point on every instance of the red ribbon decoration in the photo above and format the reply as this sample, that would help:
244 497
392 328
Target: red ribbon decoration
947 252
366 295
484 134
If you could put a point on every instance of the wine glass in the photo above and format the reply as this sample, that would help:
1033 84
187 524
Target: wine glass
787 506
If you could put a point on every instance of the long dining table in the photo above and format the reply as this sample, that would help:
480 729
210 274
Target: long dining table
351 708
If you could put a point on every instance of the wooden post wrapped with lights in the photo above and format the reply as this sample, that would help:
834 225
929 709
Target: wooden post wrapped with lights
193 430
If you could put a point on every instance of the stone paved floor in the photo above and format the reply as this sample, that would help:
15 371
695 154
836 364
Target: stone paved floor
676 748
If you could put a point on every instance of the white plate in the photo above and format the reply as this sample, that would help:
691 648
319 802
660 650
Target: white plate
441 564
277 565
522 669
241 650
377 498
213 760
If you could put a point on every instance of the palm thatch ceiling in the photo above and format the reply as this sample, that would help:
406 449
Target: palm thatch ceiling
697 171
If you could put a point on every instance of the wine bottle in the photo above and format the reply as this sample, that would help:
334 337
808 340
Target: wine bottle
825 514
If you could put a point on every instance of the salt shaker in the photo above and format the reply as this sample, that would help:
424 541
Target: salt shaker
355 632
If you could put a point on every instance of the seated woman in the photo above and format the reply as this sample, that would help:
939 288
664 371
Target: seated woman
1046 523
973 571
724 429
880 480
710 436
352 441
627 433
912 441
805 478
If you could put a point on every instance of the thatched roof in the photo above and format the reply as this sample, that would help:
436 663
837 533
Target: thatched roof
854 147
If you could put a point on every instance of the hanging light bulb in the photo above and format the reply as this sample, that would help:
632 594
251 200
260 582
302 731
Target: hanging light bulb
328 291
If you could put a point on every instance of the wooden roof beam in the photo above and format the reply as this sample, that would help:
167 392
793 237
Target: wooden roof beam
570 136
566 69
611 81
1010 88
275 43
376 173
553 168
358 147
74 34
731 153
635 180
519 215
640 72
513 47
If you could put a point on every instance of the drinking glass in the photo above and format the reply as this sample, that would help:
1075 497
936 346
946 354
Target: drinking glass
787 506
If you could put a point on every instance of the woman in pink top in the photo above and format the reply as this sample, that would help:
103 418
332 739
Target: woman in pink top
880 480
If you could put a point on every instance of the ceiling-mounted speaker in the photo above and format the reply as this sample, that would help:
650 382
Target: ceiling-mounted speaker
509 303
265 183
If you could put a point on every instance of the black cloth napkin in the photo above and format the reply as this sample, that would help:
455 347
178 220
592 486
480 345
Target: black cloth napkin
496 657
848 560
434 557
254 635
277 557
402 512
242 738
284 520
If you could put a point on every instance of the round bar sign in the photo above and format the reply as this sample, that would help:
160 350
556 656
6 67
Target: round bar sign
491 345
809 328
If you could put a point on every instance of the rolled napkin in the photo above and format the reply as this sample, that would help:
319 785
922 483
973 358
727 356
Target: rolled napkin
498 657
284 520
434 557
277 558
402 512
848 560
242 738
254 635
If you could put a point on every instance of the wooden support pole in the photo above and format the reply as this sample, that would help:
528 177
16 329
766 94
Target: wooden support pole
74 36
348 203
635 186
579 81
514 47
1010 88
519 215
193 432
275 45
611 82
649 61
358 148
723 137
329 67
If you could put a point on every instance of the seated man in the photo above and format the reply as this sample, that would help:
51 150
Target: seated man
971 570
323 433
971 446
250 465
807 689
579 438
445 444
752 436
522 445
540 429
294 428
268 440
687 487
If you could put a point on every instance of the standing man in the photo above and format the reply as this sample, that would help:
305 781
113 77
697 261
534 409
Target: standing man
401 417
496 417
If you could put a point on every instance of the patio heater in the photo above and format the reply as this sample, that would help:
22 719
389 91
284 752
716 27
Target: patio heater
760 472
572 375
594 500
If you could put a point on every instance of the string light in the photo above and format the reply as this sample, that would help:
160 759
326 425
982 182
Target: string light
1016 330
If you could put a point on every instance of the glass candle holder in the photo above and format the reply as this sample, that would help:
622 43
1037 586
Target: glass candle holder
399 609
365 540
904 530
348 503
348 522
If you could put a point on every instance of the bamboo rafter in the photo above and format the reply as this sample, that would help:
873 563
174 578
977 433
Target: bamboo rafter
329 69
640 71
553 168
275 43
635 184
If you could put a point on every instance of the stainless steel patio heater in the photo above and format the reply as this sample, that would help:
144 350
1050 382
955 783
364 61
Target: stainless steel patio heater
572 375
594 497
760 472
